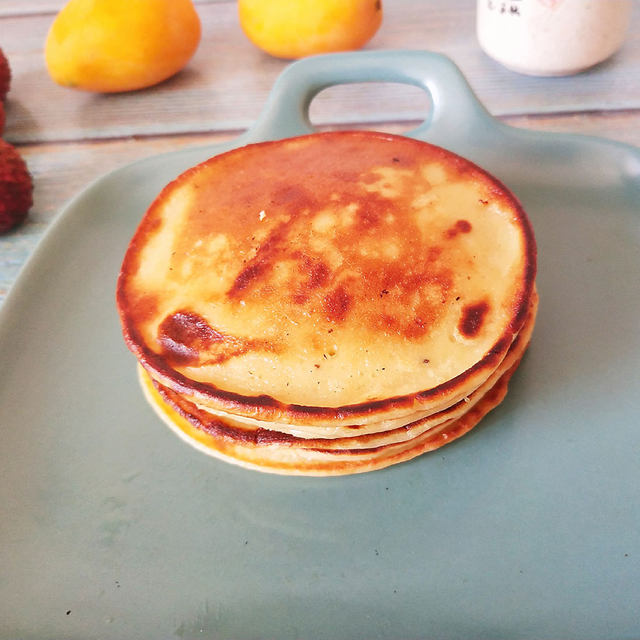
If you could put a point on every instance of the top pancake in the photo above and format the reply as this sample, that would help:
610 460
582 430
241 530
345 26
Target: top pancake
337 276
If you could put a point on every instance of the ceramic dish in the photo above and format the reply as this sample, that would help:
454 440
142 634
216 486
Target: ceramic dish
525 528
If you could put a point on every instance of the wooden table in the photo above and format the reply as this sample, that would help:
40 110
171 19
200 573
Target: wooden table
69 138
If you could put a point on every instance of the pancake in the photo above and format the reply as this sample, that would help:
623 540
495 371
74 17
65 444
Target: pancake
327 281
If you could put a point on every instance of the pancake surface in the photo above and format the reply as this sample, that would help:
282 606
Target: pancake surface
328 286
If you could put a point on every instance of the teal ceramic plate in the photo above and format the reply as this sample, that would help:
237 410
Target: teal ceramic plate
528 527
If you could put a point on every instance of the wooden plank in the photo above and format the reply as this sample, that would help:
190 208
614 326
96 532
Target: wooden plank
30 7
619 126
34 7
227 82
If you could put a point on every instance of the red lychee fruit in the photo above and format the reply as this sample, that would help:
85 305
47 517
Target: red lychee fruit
16 187
5 76
2 117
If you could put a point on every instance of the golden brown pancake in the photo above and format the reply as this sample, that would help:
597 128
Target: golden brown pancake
326 281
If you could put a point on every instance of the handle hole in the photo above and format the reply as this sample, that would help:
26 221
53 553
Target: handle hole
390 107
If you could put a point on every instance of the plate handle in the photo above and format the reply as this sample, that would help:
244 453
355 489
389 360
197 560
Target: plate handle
454 106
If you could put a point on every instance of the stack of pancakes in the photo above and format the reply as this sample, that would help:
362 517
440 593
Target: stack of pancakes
329 304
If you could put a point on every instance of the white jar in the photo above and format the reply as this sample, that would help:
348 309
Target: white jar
551 37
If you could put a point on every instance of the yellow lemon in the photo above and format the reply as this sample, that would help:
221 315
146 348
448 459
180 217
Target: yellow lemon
121 45
298 28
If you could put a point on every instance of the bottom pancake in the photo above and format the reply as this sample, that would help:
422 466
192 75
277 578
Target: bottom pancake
282 458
